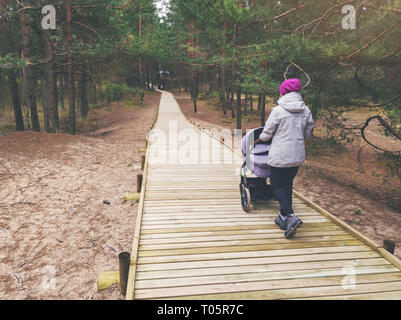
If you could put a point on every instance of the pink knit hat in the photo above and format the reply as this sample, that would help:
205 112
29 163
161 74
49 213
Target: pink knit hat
290 85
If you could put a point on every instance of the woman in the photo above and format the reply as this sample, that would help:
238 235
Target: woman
289 124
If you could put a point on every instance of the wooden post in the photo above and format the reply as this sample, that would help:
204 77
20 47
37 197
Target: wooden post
263 113
142 162
389 245
124 259
139 178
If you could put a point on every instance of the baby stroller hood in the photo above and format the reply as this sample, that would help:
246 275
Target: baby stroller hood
256 156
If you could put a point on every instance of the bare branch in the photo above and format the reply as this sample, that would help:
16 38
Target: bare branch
299 68
385 125
384 9
87 27
374 40
289 12
324 15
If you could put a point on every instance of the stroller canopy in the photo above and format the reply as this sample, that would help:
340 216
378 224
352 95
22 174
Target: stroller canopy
256 156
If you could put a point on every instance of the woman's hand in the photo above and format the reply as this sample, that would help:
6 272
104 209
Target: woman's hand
257 141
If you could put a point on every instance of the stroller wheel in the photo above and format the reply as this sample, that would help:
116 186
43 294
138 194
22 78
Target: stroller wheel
245 198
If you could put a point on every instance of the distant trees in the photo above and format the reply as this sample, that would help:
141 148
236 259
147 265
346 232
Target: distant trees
95 41
7 50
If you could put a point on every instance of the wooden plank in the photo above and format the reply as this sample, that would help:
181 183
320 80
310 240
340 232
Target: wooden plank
225 243
259 276
251 254
216 216
258 268
157 203
226 228
258 260
302 293
195 219
260 204
389 295
231 232
279 246
230 290
234 207
179 224
199 193
194 179
277 235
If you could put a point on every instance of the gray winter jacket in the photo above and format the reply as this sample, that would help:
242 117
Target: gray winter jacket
290 123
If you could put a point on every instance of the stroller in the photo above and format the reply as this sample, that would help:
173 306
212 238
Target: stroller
255 160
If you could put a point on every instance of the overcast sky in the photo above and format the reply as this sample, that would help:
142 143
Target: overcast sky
162 6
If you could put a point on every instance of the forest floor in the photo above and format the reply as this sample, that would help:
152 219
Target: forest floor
363 194
56 234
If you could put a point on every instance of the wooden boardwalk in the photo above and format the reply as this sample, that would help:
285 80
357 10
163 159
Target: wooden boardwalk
193 241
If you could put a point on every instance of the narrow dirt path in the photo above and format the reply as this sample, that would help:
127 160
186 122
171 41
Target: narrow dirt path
56 234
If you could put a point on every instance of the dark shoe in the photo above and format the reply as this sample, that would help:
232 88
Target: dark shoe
281 223
293 222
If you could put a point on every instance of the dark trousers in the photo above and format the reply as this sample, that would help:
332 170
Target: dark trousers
282 180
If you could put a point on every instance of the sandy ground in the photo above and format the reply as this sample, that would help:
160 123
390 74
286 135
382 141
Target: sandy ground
56 234
372 218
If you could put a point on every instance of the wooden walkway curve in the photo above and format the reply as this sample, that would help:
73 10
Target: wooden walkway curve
193 241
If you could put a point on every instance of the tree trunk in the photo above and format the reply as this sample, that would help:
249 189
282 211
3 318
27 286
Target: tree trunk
6 48
251 102
239 116
33 107
70 74
140 67
101 93
195 91
140 73
246 105
263 113
94 94
44 104
19 119
30 74
83 93
61 80
223 91
210 89
50 84
146 76
3 95
232 103
56 113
